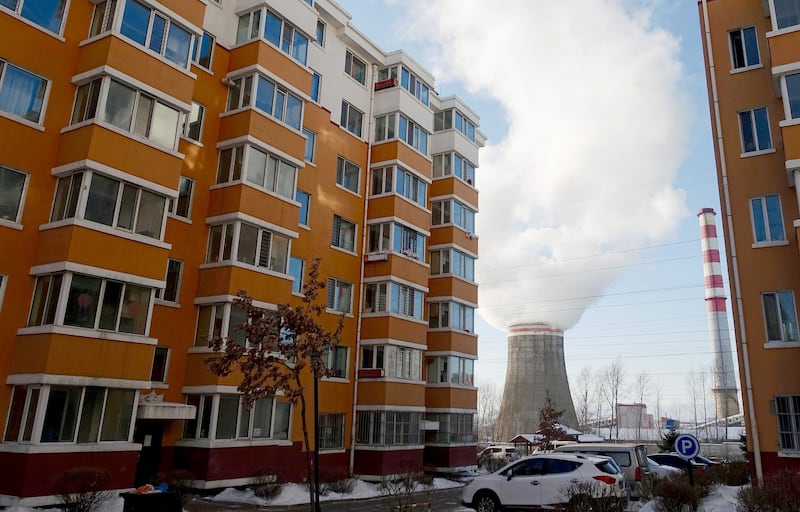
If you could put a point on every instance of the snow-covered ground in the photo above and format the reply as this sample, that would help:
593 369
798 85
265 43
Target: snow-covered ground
722 499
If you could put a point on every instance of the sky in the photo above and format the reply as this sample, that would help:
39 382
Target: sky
599 157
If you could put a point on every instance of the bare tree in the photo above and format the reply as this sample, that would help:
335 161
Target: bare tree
489 397
659 385
613 386
277 347
583 395
694 382
641 386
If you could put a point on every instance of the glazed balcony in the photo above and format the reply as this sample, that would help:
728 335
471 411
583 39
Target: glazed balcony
397 206
262 285
260 53
251 122
452 340
448 286
394 393
395 150
454 235
454 186
257 203
397 265
447 397
395 327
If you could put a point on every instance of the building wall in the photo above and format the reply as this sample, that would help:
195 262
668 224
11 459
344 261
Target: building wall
87 305
758 267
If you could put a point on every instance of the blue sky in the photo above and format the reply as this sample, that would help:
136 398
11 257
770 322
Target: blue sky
648 309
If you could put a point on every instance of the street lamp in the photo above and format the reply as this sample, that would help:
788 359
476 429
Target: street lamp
315 362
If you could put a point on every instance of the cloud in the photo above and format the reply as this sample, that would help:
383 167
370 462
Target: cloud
597 123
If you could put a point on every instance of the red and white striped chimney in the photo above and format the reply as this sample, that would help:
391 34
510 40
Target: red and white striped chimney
724 373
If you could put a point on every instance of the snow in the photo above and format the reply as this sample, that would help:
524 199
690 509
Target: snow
721 499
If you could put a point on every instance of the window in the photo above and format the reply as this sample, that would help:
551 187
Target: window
355 67
315 78
411 186
379 237
268 418
767 219
182 207
453 164
450 370
137 112
12 187
320 37
372 356
388 428
452 261
339 295
343 234
787 409
203 50
268 97
249 26
173 279
331 431
311 142
385 127
158 373
792 95
304 198
86 100
454 428
397 362
193 123
780 316
408 80
453 212
263 170
110 202
221 321
787 13
754 126
22 93
449 119
402 300
452 315
47 14
278 32
335 359
412 134
24 402
409 242
352 119
256 246
347 174
102 17
154 31
744 48
297 271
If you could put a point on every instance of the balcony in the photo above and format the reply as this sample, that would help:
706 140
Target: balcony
262 285
256 203
250 122
263 54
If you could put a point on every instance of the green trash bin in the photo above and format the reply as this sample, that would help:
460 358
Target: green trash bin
169 501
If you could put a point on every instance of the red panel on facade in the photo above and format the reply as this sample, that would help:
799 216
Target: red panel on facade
368 462
450 456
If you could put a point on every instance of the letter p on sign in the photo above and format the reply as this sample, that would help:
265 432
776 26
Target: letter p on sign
687 446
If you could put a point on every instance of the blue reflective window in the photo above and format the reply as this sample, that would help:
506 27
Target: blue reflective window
265 94
315 87
303 198
272 29
751 46
793 92
157 34
178 43
47 14
787 13
294 111
296 270
203 49
754 126
21 93
135 20
299 47
767 219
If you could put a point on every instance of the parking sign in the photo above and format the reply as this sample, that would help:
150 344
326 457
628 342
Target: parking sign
687 446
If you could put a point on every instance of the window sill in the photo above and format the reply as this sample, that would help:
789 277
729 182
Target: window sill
85 332
336 380
245 266
341 187
22 120
736 71
336 312
469 387
750 154
781 344
782 31
342 249
789 454
388 448
789 122
159 385
107 446
230 443
102 228
166 303
777 243
185 220
11 224
190 141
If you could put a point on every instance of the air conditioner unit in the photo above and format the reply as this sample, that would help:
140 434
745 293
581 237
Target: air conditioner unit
377 256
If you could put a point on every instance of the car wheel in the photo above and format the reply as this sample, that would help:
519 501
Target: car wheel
487 502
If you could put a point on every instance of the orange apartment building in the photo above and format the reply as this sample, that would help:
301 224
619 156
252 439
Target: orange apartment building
752 55
158 156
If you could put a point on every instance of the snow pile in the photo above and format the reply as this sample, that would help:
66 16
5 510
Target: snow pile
721 499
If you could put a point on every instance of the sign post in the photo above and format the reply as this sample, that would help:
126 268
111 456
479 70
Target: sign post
687 447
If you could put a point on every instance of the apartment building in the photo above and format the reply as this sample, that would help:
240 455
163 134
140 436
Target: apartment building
157 157
752 55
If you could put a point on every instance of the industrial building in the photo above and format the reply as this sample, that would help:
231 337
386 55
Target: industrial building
752 56
159 156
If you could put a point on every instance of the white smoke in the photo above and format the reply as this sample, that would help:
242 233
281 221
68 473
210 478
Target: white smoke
597 127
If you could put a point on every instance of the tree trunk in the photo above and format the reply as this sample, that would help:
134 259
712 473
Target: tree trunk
304 424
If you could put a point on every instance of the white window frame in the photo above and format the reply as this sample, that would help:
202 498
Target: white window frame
765 219
784 335
754 127
23 193
747 65
335 286
45 87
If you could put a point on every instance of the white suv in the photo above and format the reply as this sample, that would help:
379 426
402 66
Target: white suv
548 479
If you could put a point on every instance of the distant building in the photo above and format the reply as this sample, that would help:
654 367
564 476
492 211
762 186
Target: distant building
633 416
752 56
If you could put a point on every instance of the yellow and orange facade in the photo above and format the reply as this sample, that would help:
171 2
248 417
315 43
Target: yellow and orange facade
752 56
157 157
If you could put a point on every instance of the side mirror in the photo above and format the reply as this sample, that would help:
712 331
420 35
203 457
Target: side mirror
510 475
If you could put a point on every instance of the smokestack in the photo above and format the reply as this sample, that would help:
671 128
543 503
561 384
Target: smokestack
536 372
725 392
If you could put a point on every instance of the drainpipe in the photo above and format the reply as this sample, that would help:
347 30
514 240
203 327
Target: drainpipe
367 178
737 292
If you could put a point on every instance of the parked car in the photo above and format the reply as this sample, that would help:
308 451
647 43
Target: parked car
632 458
547 479
661 470
676 461
702 459
496 456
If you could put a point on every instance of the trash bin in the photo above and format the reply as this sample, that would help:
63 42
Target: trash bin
169 501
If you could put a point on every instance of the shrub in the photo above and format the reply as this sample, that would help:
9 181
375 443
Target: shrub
343 486
733 473
589 495
675 495
780 493
403 488
82 489
266 486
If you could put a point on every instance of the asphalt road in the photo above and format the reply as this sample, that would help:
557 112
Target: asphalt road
446 500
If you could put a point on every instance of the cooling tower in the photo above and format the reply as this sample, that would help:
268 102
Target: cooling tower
535 371
725 392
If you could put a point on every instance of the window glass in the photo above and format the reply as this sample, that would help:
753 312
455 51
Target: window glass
793 90
262 418
787 13
47 14
84 295
311 139
135 309
119 105
315 87
135 21
61 414
296 270
226 416
12 183
158 373
281 423
21 92
117 416
303 198
183 205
